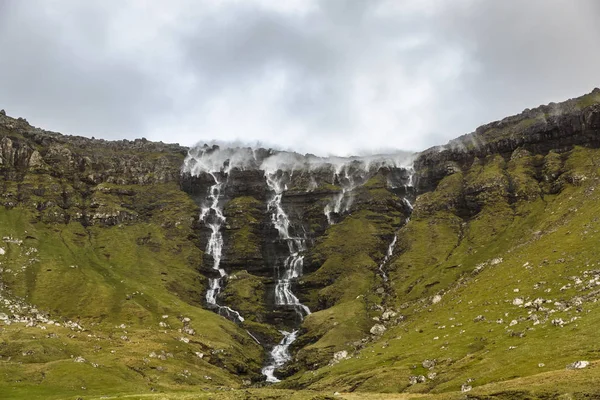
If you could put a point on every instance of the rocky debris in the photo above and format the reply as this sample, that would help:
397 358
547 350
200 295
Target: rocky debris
466 388
79 359
429 364
578 365
479 318
413 380
436 299
21 312
187 329
161 356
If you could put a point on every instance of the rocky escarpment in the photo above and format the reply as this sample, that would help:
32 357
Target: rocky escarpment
69 177
554 127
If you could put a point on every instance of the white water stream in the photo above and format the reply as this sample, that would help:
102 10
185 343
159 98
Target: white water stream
212 216
279 355
286 273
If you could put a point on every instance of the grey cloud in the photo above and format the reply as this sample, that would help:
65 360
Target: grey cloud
345 76
61 76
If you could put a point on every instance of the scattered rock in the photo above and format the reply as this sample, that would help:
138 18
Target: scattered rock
466 388
558 322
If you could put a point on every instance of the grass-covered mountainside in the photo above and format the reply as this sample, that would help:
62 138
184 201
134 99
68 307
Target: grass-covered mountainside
491 292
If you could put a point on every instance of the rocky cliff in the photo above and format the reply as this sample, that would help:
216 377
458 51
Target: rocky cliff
141 266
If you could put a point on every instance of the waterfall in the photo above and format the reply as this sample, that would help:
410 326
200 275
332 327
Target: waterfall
280 355
291 269
336 204
286 273
212 216
409 206
389 253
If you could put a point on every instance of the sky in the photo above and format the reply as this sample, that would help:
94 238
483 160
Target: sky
328 77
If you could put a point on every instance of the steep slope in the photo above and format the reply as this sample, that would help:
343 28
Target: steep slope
131 267
495 275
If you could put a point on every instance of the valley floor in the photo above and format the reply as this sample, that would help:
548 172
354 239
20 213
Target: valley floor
559 384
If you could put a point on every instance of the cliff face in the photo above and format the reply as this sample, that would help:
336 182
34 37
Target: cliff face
163 267
555 127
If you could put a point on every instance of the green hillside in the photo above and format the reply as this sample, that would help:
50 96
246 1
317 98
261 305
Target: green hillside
492 293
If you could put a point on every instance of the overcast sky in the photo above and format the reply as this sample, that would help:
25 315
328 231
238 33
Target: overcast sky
327 77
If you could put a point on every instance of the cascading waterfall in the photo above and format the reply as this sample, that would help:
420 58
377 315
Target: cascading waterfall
409 206
294 263
279 355
337 204
212 216
389 253
286 273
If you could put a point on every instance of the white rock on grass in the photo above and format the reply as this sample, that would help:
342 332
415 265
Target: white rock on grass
2 251
339 356
388 314
377 329
518 301
578 365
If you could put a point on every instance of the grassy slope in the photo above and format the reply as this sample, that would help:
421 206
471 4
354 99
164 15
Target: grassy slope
540 243
106 276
